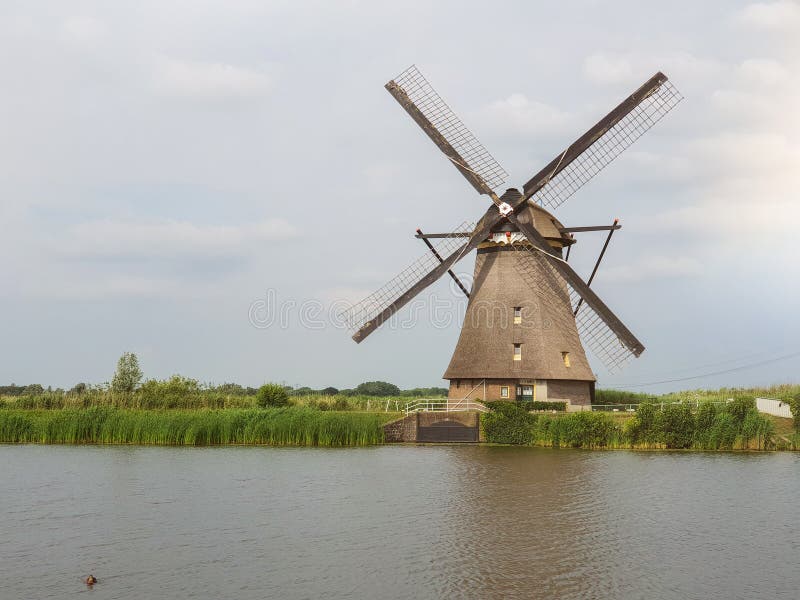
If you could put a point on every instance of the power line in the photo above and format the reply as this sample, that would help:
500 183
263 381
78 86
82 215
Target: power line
733 370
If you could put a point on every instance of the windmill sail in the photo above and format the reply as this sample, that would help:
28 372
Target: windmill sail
368 310
446 130
599 146
540 275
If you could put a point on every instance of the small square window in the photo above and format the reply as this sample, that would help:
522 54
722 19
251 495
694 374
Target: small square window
517 351
517 315
565 358
504 391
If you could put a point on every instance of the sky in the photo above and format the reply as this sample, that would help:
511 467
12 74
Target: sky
205 183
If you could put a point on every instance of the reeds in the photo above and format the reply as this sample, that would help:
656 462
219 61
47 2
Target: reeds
275 427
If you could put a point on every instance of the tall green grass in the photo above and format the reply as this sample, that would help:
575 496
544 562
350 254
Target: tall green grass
178 399
108 425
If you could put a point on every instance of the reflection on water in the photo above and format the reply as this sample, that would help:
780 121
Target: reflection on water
396 522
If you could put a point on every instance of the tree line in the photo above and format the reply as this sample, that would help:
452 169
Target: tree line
129 378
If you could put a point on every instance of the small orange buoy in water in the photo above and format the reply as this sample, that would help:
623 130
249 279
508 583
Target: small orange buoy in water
91 580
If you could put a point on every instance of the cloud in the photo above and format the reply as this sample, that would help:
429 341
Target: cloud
611 68
608 68
114 239
773 16
83 31
755 71
654 267
519 115
209 81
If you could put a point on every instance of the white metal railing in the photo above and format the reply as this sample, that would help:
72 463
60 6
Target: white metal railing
444 406
632 407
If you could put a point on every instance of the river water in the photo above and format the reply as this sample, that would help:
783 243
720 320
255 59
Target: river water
396 522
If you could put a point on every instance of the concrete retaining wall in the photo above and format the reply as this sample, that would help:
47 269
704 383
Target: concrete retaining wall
405 429
776 408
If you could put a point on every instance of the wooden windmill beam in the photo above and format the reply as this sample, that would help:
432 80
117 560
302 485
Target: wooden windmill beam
615 226
440 259
431 236
611 231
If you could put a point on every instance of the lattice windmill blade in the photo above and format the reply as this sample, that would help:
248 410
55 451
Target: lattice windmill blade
413 92
365 316
599 146
542 277
574 281
598 336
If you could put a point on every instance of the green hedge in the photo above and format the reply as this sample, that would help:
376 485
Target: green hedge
735 425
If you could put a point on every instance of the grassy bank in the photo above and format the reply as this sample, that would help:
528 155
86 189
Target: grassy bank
294 426
733 426
179 399
783 392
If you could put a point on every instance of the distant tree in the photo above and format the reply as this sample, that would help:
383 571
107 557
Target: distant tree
12 390
33 389
329 391
301 391
377 388
128 375
431 392
78 389
230 389
272 394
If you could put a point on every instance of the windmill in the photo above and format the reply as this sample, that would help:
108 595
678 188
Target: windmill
528 309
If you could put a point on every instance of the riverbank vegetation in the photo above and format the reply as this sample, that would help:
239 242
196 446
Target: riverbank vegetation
709 426
182 411
294 426
785 392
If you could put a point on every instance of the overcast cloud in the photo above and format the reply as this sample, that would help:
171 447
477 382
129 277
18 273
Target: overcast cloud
168 166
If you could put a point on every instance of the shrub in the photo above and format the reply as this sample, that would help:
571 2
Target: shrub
175 392
675 426
586 429
540 405
641 429
739 408
507 423
704 423
272 394
794 404
757 427
724 432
